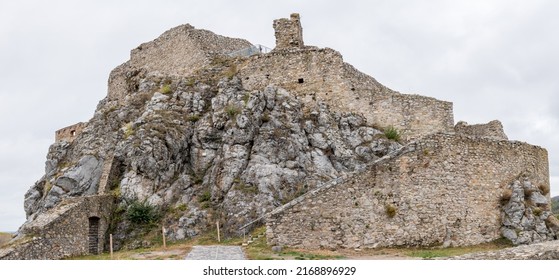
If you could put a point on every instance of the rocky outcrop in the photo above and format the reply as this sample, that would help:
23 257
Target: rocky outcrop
193 136
209 147
527 216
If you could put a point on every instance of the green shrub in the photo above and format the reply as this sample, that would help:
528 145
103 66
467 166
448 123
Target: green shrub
390 210
246 98
193 118
165 89
128 130
392 133
142 213
537 211
205 196
265 117
232 110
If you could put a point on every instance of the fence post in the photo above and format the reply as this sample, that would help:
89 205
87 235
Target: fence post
164 241
111 245
218 237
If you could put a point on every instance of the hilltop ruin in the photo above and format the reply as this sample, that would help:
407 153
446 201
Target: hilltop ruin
207 128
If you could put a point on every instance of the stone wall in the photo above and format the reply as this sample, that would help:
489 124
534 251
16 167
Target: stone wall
288 32
413 115
440 190
62 231
179 51
69 133
493 129
321 74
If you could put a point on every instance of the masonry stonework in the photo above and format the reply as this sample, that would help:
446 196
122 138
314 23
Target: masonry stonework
179 51
443 187
62 231
289 33
321 74
441 190
493 130
69 133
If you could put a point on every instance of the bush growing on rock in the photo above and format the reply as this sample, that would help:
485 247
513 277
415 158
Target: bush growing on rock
142 213
392 133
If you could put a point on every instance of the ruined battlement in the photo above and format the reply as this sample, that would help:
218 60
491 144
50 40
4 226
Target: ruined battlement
69 133
493 130
193 114
180 51
289 33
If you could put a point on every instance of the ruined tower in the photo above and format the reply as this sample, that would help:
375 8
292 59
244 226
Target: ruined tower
288 32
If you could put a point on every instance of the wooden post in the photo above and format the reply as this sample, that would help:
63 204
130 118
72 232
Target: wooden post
218 237
111 245
164 241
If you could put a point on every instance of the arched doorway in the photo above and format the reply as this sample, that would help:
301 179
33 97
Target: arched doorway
93 235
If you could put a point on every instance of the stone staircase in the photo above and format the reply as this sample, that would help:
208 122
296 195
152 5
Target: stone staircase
106 174
410 147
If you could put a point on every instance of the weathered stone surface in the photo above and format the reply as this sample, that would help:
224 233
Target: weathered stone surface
493 130
423 195
202 137
524 215
62 231
541 251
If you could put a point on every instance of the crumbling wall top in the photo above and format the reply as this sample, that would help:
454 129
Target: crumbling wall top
69 133
493 130
288 32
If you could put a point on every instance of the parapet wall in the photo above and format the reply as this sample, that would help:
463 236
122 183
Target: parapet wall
413 115
63 231
443 190
69 133
493 130
322 75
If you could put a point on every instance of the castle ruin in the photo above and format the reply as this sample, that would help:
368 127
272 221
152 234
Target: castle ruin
442 187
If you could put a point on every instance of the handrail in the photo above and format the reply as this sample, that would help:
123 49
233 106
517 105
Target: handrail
252 50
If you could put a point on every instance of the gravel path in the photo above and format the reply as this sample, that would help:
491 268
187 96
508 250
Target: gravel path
216 253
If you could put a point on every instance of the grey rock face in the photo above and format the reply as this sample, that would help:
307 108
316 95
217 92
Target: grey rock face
525 215
83 178
209 148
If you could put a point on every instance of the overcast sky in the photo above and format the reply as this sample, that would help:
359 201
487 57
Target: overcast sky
493 59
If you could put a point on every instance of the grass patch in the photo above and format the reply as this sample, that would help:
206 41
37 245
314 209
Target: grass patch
231 71
505 196
392 133
166 89
205 196
232 110
260 250
128 130
457 251
193 118
390 210
544 189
